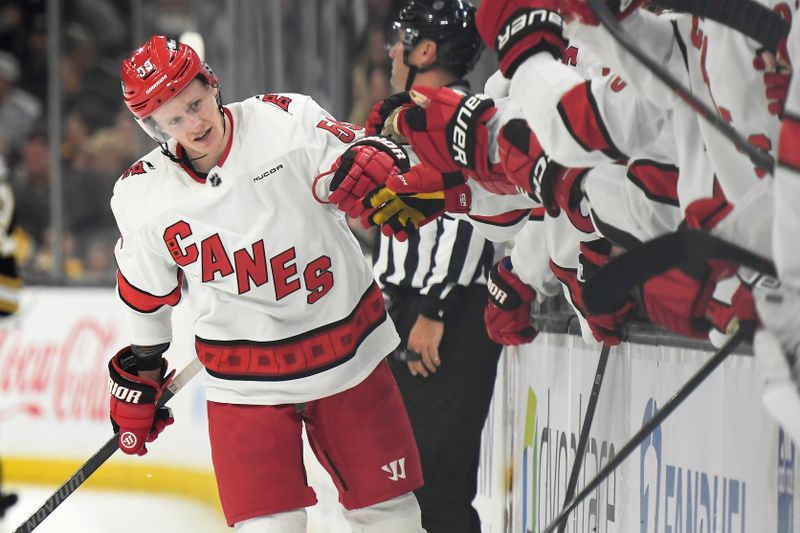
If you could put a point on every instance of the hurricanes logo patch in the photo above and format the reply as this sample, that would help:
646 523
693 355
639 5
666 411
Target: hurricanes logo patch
138 168
277 100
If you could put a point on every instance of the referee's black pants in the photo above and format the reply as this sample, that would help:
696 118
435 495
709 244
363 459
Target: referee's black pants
448 409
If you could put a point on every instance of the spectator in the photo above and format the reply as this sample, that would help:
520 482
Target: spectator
18 109
31 183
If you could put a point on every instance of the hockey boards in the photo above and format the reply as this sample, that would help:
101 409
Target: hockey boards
759 157
674 250
748 17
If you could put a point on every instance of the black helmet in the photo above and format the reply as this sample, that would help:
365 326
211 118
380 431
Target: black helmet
448 23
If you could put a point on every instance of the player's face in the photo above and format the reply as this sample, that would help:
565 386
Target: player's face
193 119
399 68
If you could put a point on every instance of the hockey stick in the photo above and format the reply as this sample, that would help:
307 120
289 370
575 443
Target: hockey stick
101 456
745 332
759 157
583 440
748 17
654 257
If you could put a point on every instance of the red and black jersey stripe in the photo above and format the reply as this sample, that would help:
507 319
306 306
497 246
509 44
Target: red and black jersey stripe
658 181
579 112
143 301
789 144
509 218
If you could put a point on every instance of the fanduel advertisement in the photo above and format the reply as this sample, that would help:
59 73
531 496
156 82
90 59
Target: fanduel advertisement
717 464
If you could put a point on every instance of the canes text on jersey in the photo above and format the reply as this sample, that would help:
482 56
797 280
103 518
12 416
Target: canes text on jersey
250 266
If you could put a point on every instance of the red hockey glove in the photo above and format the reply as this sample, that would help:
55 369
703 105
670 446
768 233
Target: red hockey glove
412 199
518 29
679 298
361 168
606 327
591 257
447 130
508 311
528 166
381 111
580 9
777 75
728 309
133 403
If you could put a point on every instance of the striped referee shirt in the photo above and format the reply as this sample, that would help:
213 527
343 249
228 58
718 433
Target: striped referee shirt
444 256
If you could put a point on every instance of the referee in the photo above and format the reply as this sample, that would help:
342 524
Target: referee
435 287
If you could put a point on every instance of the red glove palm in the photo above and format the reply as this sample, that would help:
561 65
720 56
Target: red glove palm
508 311
518 29
133 403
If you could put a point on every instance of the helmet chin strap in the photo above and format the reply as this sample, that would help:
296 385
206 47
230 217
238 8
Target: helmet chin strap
413 70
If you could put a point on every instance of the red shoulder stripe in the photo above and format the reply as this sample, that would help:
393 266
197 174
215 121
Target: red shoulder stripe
789 143
143 301
658 181
581 116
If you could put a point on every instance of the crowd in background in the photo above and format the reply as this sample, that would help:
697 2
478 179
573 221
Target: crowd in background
99 139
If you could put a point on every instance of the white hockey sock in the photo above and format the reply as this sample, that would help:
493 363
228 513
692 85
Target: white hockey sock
398 515
288 522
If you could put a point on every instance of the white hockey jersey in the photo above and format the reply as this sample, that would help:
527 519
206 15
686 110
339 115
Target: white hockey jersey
287 309
786 225
716 64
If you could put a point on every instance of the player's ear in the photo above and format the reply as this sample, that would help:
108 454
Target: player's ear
427 52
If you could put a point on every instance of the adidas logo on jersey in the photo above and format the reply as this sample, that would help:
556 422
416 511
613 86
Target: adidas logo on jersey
396 469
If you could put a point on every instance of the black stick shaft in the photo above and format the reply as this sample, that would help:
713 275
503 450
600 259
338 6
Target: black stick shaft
101 456
759 158
748 17
583 440
745 331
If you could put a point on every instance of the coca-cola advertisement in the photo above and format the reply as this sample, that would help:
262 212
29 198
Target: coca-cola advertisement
54 376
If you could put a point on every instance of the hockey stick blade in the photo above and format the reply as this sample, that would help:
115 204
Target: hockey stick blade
748 17
583 440
759 157
745 332
101 456
652 258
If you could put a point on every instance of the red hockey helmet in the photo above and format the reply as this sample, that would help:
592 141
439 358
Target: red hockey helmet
155 73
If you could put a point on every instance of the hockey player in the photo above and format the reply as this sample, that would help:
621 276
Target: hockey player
290 324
